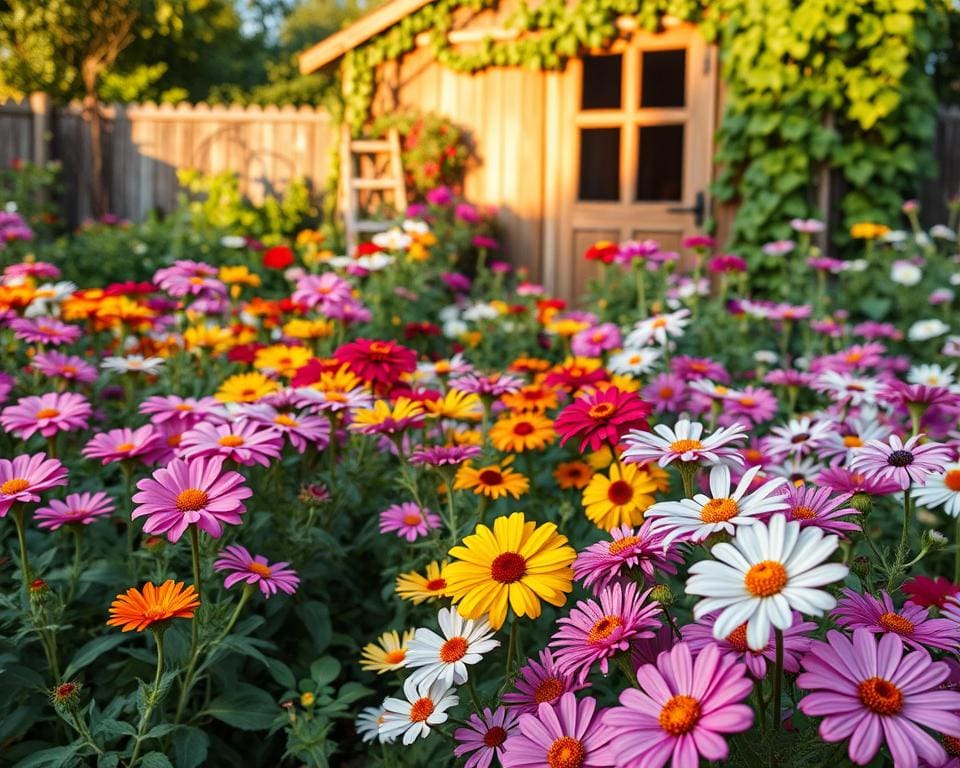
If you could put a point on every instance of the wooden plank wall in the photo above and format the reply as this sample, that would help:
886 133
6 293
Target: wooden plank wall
145 145
945 185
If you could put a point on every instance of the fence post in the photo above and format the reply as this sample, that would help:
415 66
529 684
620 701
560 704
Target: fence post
40 111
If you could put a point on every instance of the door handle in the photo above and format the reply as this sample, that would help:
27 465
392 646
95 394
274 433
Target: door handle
698 209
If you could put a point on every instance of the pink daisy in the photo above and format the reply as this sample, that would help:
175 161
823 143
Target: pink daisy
194 492
189 278
699 634
597 631
483 736
843 480
494 385
905 463
443 455
255 569
568 733
627 552
121 444
753 404
169 434
187 410
301 429
693 368
602 416
912 622
540 682
682 711
667 392
325 292
76 509
6 386
869 691
46 414
334 402
44 330
22 479
408 521
593 342
67 367
244 442
810 505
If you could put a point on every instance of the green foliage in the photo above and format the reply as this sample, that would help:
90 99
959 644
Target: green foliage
30 189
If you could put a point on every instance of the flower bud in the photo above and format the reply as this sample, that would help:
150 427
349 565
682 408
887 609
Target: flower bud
663 595
861 567
862 502
306 699
931 541
66 695
38 591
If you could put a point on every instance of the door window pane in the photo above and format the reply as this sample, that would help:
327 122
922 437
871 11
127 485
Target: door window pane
660 167
600 87
663 81
599 164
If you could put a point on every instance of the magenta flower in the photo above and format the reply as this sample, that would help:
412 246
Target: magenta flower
810 505
699 634
843 480
593 342
870 692
694 368
408 521
6 386
495 385
76 509
483 737
194 492
597 631
667 392
189 278
44 330
750 403
165 447
682 710
912 622
67 367
22 479
326 292
611 562
187 410
905 463
301 429
443 455
540 682
244 442
568 733
46 414
122 444
255 569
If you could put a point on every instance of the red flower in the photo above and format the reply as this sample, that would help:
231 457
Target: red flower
366 249
599 416
377 361
278 257
602 250
312 371
413 330
925 591
244 353
129 288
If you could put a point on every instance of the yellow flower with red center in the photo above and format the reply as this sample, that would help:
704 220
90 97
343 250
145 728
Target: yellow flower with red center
419 587
246 388
461 406
282 359
620 498
136 610
388 653
516 564
532 398
492 481
300 328
522 432
573 474
384 418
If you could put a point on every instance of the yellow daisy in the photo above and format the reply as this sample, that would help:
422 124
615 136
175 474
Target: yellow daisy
301 328
388 653
492 481
516 564
282 359
386 419
462 406
420 587
245 388
522 432
620 498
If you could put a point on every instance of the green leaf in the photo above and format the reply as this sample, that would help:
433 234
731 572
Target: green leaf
155 760
112 729
92 651
57 757
15 678
245 707
108 760
190 747
325 670
316 618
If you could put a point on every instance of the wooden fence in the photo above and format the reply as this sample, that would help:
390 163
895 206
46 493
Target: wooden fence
946 184
145 145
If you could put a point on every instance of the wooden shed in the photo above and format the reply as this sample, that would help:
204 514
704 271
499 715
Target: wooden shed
617 144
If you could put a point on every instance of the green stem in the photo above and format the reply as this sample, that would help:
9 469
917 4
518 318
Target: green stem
511 649
641 288
473 696
904 546
688 472
195 551
75 570
777 678
761 705
24 556
151 701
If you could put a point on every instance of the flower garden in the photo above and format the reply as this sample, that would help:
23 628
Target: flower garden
263 504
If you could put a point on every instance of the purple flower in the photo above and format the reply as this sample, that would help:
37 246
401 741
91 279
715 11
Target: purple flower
611 562
67 367
695 368
484 736
593 342
540 682
810 505
443 455
245 442
255 570
44 330
408 521
903 463
466 213
185 410
301 429
667 392
22 479
47 414
912 622
440 196
456 282
76 509
566 733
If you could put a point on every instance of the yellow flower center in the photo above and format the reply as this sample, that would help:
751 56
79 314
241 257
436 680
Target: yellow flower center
852 441
421 710
231 441
803 513
13 486
719 510
619 545
600 410
682 446
679 715
47 413
183 407
896 623
766 578
192 499
603 628
881 696
566 752
453 650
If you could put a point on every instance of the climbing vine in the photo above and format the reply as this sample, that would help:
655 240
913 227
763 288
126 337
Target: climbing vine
811 85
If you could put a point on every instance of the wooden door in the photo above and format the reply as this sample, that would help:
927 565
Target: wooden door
631 153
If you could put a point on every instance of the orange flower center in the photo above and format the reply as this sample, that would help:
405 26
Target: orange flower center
549 690
183 407
719 510
881 696
196 280
682 446
285 421
47 413
566 752
660 322
260 569
68 370
803 513
619 545
421 710
412 519
738 638
620 492
453 650
231 441
748 402
395 657
679 715
600 410
603 628
952 480
896 623
494 737
15 485
508 567
378 350
435 585
174 440
523 428
666 392
125 447
191 500
248 393
852 441
766 578
491 477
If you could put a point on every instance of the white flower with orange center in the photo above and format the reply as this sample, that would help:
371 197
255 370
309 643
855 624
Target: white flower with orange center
762 576
658 328
724 509
446 657
685 443
424 705
941 490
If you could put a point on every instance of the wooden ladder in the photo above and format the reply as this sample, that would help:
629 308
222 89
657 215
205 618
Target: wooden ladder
352 182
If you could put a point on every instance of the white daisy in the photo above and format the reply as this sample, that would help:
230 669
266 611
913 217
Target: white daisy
423 705
394 239
849 436
796 469
445 658
847 389
659 328
685 442
723 510
924 330
416 227
631 361
797 437
763 575
941 490
713 390
932 375
233 241
132 364
368 725
48 297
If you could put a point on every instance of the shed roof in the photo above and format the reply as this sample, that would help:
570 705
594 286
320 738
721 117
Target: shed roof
357 33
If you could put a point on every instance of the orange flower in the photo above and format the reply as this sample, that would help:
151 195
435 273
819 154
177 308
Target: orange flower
139 610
